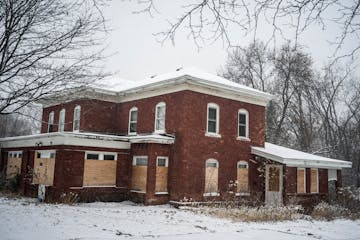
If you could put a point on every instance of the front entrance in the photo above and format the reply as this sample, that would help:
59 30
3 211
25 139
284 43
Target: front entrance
273 185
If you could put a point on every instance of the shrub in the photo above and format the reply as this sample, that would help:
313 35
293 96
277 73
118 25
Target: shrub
326 211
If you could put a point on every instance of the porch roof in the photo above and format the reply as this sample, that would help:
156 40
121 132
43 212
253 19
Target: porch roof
295 158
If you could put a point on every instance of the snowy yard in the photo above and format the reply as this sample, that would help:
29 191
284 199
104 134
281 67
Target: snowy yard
23 219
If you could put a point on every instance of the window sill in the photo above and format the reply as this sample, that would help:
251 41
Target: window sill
245 139
211 194
242 194
216 135
137 191
160 132
132 133
161 193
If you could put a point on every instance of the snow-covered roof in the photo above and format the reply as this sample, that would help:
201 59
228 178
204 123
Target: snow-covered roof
82 139
119 90
297 158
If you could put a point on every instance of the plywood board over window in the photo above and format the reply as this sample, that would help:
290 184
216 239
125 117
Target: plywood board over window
301 180
13 164
161 175
242 177
211 176
44 166
314 187
139 173
99 169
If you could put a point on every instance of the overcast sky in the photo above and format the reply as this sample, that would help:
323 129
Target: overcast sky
137 54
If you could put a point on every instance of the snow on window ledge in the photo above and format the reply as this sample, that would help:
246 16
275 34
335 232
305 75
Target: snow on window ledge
242 194
216 135
245 139
161 193
137 191
211 194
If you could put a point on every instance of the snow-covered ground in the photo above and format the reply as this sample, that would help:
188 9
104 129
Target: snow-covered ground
24 219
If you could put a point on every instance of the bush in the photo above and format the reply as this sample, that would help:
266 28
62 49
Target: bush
9 184
326 211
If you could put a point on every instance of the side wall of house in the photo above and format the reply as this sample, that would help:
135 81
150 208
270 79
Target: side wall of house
95 116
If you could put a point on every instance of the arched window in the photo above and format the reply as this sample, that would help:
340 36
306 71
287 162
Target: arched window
213 115
76 121
51 122
242 178
211 177
61 120
243 124
133 113
160 111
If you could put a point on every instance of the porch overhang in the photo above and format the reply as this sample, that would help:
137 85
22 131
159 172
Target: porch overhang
295 158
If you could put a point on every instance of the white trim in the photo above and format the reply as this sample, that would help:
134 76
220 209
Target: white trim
140 156
152 138
99 186
66 138
217 123
62 114
51 121
161 193
303 160
77 108
211 194
132 110
317 180
297 176
212 160
242 162
246 137
160 105
332 175
166 161
46 153
101 155
242 194
17 153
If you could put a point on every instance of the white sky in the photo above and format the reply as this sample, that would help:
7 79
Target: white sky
137 54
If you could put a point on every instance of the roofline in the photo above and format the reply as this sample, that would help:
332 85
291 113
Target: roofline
298 162
82 139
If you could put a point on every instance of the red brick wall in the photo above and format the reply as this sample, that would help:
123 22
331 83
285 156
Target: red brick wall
186 115
96 116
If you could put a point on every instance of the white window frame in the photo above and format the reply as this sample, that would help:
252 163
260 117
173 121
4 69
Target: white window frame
212 194
317 180
130 121
246 137
332 174
166 161
51 121
15 154
46 153
159 105
101 155
78 107
217 130
62 120
297 172
136 157
242 162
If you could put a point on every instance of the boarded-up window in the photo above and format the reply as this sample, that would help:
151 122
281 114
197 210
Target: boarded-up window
301 180
13 164
314 180
274 179
139 173
211 176
44 166
161 174
242 177
99 169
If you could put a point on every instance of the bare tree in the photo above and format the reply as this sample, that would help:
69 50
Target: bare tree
211 20
46 47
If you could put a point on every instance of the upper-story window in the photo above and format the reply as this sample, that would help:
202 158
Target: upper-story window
243 124
62 120
76 121
133 120
160 117
212 126
51 122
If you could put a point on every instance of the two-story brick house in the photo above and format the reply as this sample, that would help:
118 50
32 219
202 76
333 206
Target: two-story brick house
183 135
